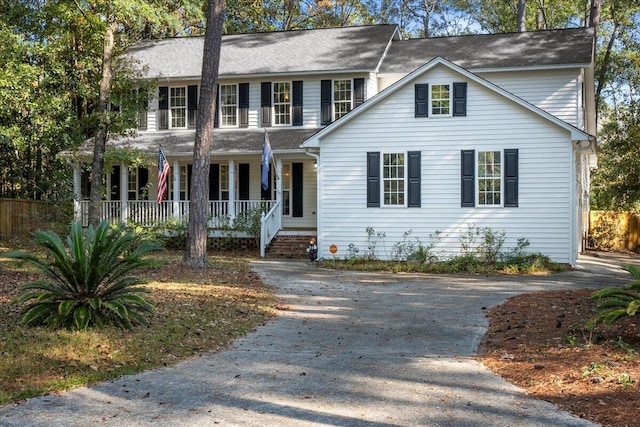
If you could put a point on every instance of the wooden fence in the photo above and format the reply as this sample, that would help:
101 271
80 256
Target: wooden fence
614 231
19 218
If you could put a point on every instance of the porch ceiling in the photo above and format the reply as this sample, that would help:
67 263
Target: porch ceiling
225 141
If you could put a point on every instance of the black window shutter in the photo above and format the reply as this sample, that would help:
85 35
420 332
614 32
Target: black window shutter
243 104
265 103
214 182
511 178
414 179
373 180
422 100
243 181
468 178
296 189
358 91
216 119
143 180
325 102
192 105
115 183
189 172
297 102
163 107
459 99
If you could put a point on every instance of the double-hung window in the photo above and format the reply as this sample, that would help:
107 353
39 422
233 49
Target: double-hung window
440 100
393 179
342 98
178 107
489 178
229 105
282 103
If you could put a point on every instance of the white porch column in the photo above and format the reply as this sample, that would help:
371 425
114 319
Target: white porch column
176 189
232 189
77 192
124 193
279 181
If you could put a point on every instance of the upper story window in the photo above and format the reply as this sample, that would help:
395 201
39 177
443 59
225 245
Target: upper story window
489 178
282 103
441 100
342 98
178 107
393 179
338 97
229 105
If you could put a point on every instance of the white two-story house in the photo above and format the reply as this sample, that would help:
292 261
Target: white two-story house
368 130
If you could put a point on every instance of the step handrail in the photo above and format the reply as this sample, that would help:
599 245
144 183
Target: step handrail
270 224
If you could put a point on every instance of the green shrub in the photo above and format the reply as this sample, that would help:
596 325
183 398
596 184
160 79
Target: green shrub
482 243
615 303
87 282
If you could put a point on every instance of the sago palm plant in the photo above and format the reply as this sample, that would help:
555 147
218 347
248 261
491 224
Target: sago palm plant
87 283
615 303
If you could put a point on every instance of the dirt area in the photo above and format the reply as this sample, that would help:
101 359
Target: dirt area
538 342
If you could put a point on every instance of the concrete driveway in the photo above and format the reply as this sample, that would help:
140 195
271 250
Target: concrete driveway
351 349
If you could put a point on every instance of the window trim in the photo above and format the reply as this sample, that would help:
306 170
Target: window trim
450 100
182 107
383 180
333 97
478 179
236 105
287 186
274 104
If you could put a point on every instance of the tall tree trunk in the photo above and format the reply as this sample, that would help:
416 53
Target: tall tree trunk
196 251
521 16
102 130
594 14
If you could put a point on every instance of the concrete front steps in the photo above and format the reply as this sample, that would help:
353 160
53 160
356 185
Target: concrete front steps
289 247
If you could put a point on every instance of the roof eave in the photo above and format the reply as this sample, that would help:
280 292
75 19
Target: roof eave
529 68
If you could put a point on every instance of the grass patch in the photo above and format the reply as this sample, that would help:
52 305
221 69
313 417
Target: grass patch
197 311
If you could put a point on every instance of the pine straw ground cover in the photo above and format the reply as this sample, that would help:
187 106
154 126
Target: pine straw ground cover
197 311
538 342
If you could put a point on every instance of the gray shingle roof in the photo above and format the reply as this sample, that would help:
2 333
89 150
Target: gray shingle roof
225 141
512 50
305 51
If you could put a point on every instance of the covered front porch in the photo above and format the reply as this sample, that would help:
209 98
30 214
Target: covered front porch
287 206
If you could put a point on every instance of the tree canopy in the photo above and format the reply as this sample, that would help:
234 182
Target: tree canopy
53 61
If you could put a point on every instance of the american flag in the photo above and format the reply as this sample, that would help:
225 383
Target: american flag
163 174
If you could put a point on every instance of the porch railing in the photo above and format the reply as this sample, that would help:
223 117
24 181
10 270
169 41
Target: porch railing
270 223
150 213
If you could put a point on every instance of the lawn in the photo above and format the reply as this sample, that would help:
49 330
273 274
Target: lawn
197 311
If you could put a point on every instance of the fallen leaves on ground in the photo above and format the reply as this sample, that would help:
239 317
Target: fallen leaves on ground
538 342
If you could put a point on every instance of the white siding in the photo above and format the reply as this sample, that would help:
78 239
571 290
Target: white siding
555 91
492 123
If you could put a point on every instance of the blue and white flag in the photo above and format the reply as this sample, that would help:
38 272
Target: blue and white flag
267 155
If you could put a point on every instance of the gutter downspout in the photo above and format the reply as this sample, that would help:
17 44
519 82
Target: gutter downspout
581 227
